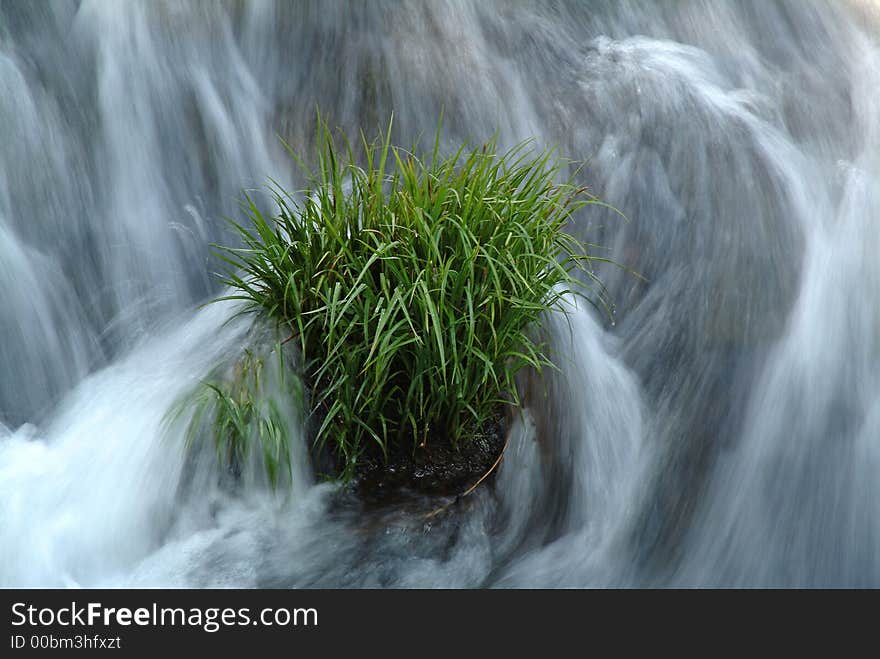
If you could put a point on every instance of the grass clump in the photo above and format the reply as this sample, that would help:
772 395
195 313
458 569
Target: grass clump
250 407
410 286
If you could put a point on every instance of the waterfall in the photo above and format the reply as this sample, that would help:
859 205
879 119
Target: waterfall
721 428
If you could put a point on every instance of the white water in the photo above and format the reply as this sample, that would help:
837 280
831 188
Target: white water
725 430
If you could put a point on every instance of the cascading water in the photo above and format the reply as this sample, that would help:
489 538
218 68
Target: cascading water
724 429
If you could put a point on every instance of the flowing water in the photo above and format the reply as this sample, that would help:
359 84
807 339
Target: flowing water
723 429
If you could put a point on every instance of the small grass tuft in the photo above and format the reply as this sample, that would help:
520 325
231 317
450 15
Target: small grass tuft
247 406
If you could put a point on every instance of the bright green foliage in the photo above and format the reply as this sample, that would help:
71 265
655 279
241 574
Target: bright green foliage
411 286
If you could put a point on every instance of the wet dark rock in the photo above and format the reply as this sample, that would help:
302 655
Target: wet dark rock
436 469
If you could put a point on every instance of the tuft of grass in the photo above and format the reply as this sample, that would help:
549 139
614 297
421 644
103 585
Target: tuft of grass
410 285
245 407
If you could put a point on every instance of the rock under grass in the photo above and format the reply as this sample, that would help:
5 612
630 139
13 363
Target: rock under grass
435 468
